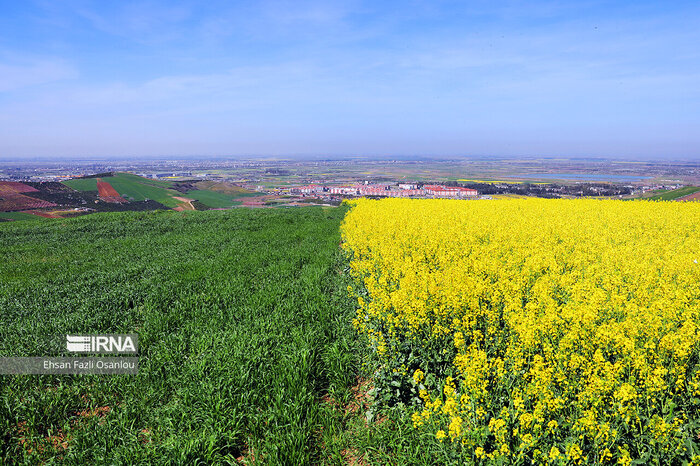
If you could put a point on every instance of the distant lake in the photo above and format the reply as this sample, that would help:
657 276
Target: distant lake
586 177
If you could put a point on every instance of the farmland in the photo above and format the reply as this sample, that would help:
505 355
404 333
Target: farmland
213 198
132 187
674 194
107 193
243 322
511 331
137 188
13 197
694 197
114 192
545 331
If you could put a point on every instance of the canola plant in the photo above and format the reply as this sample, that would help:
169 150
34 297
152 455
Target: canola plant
533 330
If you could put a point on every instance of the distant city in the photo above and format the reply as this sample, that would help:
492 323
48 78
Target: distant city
342 170
70 188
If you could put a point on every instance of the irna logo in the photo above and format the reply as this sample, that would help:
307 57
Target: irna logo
102 343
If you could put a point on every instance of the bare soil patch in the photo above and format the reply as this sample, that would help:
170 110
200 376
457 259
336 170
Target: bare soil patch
107 193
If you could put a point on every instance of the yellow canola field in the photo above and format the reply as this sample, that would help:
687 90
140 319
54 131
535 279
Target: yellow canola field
569 327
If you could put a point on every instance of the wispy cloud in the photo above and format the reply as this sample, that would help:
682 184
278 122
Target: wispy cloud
144 22
26 73
390 75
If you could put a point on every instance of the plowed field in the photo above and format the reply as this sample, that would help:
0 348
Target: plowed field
15 187
107 192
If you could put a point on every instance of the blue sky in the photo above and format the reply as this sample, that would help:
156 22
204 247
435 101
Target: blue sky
282 78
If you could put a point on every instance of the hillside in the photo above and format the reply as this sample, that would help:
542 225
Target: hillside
209 194
112 192
131 187
243 326
675 194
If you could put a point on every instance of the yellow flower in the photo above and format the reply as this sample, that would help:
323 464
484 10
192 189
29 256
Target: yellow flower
625 459
554 453
418 376
551 309
455 427
575 454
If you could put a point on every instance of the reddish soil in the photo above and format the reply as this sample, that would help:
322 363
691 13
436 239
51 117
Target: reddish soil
60 441
16 187
247 456
360 398
10 202
691 197
145 435
359 403
107 193
57 442
353 457
105 189
100 411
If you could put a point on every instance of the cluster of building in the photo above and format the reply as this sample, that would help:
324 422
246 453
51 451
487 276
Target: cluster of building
658 187
448 191
385 190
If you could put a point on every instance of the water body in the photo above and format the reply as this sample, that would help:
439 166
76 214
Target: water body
586 177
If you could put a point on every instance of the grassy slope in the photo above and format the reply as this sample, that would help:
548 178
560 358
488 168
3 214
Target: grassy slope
213 199
675 194
20 216
138 188
82 184
132 187
242 322
148 181
224 187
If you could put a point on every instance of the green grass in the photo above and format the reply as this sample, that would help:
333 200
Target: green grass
20 216
224 187
132 187
675 194
83 184
149 181
243 326
137 188
213 199
389 439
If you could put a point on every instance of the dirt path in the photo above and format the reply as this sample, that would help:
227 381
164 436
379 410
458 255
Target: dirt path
185 204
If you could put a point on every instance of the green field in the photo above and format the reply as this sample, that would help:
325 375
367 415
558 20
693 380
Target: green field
132 187
247 349
675 194
149 181
83 184
225 187
213 199
19 216
243 323
137 188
